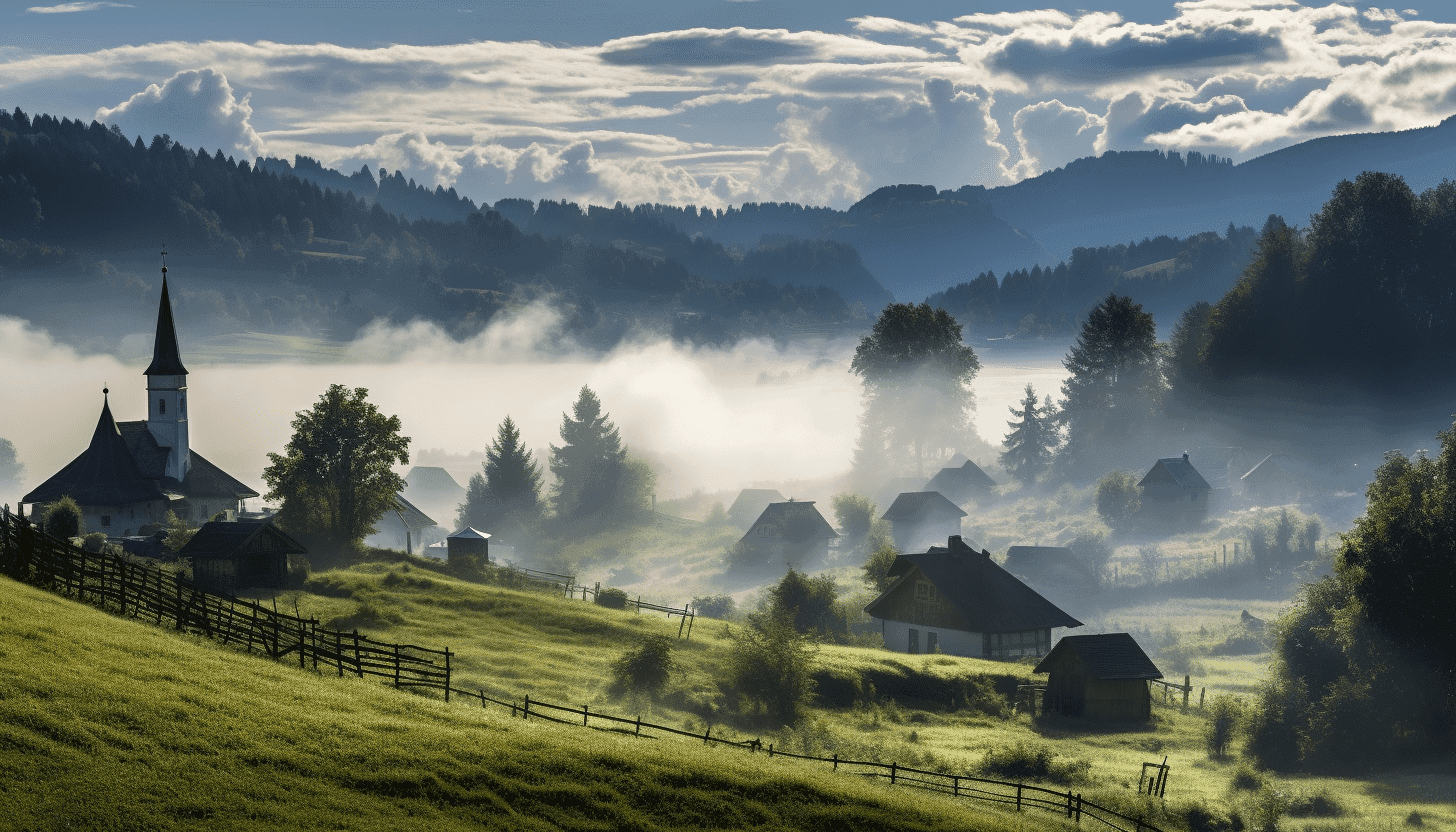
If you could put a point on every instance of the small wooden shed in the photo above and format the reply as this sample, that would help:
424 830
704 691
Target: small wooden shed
240 553
1102 677
468 542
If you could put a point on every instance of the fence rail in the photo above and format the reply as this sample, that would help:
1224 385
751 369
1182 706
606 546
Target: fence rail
113 582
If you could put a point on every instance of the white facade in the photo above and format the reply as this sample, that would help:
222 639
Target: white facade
950 642
167 420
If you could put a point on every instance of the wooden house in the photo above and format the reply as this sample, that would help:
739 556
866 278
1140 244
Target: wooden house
959 601
962 483
226 555
921 519
133 473
404 527
792 532
1175 493
1102 677
750 504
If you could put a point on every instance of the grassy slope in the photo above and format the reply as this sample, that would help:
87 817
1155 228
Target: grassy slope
107 723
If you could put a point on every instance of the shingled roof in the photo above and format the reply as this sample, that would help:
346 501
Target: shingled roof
221 540
104 474
1108 656
204 479
1182 473
988 598
913 505
796 521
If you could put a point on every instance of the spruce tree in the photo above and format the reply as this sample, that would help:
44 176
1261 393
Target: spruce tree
1116 384
1032 439
508 489
589 463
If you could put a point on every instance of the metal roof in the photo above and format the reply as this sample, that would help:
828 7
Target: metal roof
166 357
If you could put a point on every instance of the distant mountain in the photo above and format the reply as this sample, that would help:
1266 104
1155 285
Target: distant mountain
1135 194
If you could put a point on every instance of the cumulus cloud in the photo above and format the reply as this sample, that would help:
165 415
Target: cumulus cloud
1050 132
71 8
196 107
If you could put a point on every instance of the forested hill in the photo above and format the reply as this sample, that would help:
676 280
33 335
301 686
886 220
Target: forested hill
73 194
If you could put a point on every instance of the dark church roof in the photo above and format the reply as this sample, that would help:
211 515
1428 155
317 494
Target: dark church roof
796 521
1108 656
988 598
203 478
915 505
104 474
221 540
166 357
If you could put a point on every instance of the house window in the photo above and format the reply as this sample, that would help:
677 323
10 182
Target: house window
106 520
925 591
914 646
161 405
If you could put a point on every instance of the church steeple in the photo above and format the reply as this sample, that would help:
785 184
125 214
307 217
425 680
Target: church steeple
167 390
166 357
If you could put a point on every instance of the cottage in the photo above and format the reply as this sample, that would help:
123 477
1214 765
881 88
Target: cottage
961 484
133 473
227 554
920 519
1103 677
792 532
750 504
404 527
961 602
1174 492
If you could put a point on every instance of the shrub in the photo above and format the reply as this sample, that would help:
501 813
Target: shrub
94 542
1247 779
1119 500
1224 713
717 516
853 513
646 668
715 606
1028 762
62 519
771 666
1266 808
612 598
1320 804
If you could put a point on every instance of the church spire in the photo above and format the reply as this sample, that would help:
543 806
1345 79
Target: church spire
166 357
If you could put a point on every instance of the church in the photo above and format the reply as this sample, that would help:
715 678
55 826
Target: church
133 473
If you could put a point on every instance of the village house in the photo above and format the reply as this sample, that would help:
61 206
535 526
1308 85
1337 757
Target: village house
133 473
227 554
792 532
961 483
1101 677
404 527
959 601
920 519
750 504
1175 493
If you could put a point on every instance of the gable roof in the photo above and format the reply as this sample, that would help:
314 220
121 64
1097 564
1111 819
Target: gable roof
220 539
1180 471
988 598
957 460
1107 656
166 357
752 501
469 533
796 521
914 505
1046 562
956 480
412 518
431 481
105 474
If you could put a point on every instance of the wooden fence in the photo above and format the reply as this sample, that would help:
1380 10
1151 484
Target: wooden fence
686 613
113 582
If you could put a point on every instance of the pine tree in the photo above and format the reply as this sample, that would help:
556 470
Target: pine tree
1032 439
589 463
508 489
1116 383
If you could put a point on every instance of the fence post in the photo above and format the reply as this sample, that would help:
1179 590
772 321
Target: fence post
893 768
302 660
584 709
770 749
178 584
1079 807
447 674
482 700
836 762
1069 803
1202 692
706 734
955 786
1018 797
526 712
358 660
1187 689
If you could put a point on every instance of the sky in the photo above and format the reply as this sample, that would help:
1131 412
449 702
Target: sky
715 102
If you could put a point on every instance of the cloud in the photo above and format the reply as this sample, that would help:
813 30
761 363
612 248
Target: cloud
1133 117
1050 133
196 107
753 47
71 8
1128 54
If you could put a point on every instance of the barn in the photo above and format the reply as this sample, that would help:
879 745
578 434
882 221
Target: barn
1102 677
240 553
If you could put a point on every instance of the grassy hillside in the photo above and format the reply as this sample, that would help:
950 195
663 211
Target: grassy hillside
107 723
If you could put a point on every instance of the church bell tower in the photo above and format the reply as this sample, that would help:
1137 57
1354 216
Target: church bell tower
167 389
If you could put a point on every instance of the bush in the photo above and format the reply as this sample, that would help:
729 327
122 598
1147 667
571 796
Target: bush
1119 500
62 519
612 598
808 603
715 606
854 513
94 542
1320 804
1027 762
771 666
1095 552
1247 779
646 668
1224 713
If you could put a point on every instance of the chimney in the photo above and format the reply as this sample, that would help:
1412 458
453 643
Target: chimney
1185 456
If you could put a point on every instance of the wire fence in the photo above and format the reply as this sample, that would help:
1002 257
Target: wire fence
149 593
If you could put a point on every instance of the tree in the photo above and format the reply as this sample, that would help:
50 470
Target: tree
877 567
646 668
806 603
1116 382
1032 439
508 489
1186 377
12 472
336 478
589 463
771 666
917 384
854 513
1119 500
62 519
